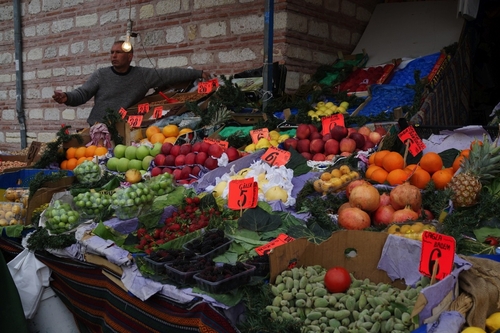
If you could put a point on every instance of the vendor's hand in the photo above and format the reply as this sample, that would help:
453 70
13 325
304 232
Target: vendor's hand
59 97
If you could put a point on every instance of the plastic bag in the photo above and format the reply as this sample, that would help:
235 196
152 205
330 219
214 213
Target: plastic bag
30 276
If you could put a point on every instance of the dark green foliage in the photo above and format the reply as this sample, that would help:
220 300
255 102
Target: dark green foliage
41 240
54 152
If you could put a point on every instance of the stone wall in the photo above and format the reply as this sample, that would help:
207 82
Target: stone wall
64 41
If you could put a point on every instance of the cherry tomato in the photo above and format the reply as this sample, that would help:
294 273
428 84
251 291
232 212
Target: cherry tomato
337 280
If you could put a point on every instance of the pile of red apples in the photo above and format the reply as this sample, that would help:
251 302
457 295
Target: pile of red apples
341 140
186 161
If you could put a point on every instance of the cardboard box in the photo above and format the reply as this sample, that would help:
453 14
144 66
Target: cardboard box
42 196
368 247
84 133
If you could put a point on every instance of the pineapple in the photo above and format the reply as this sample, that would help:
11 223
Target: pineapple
481 168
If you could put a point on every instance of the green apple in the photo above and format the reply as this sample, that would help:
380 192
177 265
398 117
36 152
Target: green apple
112 163
122 164
130 152
146 162
119 151
142 151
135 164
156 149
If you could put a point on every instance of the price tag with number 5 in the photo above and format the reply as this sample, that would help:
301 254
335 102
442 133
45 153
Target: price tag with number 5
243 194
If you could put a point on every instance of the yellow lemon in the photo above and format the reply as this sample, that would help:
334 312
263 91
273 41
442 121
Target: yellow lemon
263 143
283 137
274 143
276 193
219 188
274 135
250 148
311 113
244 171
493 322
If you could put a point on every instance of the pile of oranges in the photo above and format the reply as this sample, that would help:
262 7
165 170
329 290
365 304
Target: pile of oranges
77 155
168 133
389 167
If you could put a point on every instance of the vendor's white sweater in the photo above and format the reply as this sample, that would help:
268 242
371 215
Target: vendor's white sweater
113 90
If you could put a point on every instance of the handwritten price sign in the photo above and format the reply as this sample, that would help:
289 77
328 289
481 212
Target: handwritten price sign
327 123
134 121
224 144
143 108
157 112
280 240
437 256
122 112
258 134
243 194
276 156
415 143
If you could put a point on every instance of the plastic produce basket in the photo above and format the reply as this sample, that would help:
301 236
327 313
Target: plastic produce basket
179 276
157 266
213 253
226 285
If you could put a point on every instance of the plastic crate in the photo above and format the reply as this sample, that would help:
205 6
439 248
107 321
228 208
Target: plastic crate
157 266
226 285
179 276
22 178
209 255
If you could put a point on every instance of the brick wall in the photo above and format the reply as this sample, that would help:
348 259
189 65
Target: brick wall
64 41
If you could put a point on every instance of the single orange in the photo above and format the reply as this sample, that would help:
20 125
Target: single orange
379 176
80 152
72 163
70 153
431 162
465 152
101 151
420 178
64 165
397 177
170 130
370 170
393 161
441 178
157 137
81 160
379 157
152 130
171 139
457 162
90 151
371 158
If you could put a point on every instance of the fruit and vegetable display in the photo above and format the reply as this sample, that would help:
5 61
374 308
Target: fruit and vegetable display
129 202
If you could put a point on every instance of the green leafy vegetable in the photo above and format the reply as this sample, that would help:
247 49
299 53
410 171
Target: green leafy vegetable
257 219
109 233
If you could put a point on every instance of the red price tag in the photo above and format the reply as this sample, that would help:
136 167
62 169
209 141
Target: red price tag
415 143
438 253
276 156
280 240
122 112
224 144
327 123
157 112
143 108
243 194
258 134
134 121
215 83
205 87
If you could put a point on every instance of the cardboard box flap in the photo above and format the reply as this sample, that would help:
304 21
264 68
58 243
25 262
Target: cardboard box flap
366 247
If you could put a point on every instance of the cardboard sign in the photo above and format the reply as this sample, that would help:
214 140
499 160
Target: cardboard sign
134 121
438 252
258 134
280 240
415 143
276 157
243 194
224 144
122 112
143 108
327 123
157 112
33 152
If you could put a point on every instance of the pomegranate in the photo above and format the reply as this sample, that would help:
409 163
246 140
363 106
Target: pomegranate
354 218
385 199
427 214
405 214
352 185
383 215
365 197
343 206
404 195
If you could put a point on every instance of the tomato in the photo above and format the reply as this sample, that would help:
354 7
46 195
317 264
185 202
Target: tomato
337 280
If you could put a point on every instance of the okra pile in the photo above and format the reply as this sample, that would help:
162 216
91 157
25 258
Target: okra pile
300 295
